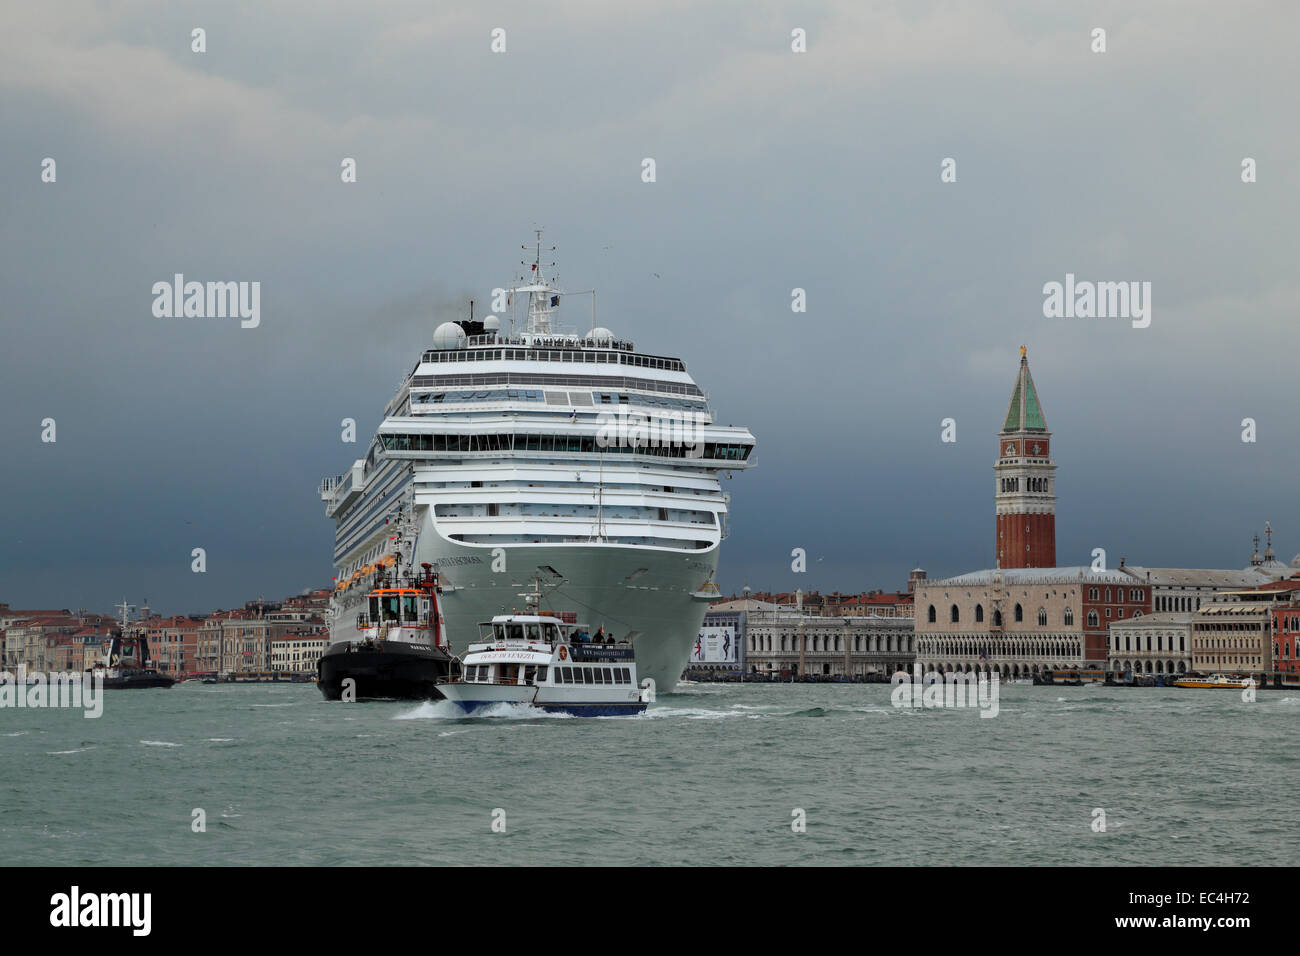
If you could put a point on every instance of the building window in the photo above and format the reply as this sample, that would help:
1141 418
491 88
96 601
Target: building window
979 613
1069 617
932 618
1093 620
1020 613
1042 617
954 615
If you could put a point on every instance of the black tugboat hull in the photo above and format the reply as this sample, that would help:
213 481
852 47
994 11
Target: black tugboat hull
138 682
386 671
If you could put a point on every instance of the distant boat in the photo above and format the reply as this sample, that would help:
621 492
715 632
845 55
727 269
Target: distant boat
126 664
1217 681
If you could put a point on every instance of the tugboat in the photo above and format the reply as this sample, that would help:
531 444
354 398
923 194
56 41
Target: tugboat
126 664
402 652
550 662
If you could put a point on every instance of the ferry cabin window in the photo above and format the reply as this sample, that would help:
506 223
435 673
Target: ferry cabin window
587 677
390 605
530 672
499 631
541 674
533 632
516 632
626 674
609 676
409 606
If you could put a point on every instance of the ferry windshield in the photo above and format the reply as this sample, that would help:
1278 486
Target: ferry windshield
516 632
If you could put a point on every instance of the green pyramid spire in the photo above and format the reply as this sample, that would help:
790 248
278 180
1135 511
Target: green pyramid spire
1025 413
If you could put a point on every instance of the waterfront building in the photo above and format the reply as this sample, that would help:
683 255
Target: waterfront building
1234 633
298 651
1156 643
788 640
1186 589
1286 638
1018 622
173 643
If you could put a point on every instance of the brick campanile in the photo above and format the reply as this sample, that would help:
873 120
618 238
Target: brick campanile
1024 487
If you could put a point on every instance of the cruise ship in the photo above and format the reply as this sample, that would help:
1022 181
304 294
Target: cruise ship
540 456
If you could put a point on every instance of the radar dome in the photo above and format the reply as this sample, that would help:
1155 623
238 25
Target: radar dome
449 335
491 324
600 336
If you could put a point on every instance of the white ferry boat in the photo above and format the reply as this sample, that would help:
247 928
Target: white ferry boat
535 450
1217 681
546 662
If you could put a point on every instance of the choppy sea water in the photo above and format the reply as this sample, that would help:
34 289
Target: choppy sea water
710 774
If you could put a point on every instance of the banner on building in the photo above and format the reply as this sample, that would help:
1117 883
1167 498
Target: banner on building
715 645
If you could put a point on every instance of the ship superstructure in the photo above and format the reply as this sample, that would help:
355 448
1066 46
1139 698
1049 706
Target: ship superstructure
541 453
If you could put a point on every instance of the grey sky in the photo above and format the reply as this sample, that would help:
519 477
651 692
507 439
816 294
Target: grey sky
775 170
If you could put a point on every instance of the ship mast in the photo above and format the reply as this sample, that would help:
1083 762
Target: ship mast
540 292
126 609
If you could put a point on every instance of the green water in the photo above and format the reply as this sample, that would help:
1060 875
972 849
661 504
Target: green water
709 775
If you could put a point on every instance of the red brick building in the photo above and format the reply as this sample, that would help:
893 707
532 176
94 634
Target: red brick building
1286 638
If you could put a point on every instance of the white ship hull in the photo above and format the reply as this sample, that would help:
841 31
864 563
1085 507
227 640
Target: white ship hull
656 607
646 594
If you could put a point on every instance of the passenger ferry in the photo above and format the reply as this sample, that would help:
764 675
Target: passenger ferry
1218 680
543 661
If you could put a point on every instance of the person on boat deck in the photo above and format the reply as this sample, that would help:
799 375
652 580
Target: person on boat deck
600 635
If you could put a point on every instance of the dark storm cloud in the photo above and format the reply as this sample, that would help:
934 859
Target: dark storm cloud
775 171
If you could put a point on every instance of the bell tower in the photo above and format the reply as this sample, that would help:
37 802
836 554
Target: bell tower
1024 484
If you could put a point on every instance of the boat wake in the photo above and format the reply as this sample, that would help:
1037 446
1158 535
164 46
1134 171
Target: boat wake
446 710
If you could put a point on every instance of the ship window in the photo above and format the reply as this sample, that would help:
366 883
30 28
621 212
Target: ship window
568 675
626 674
597 676
533 632
409 612
390 605
609 676
530 672
516 632
498 631
587 677
541 674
